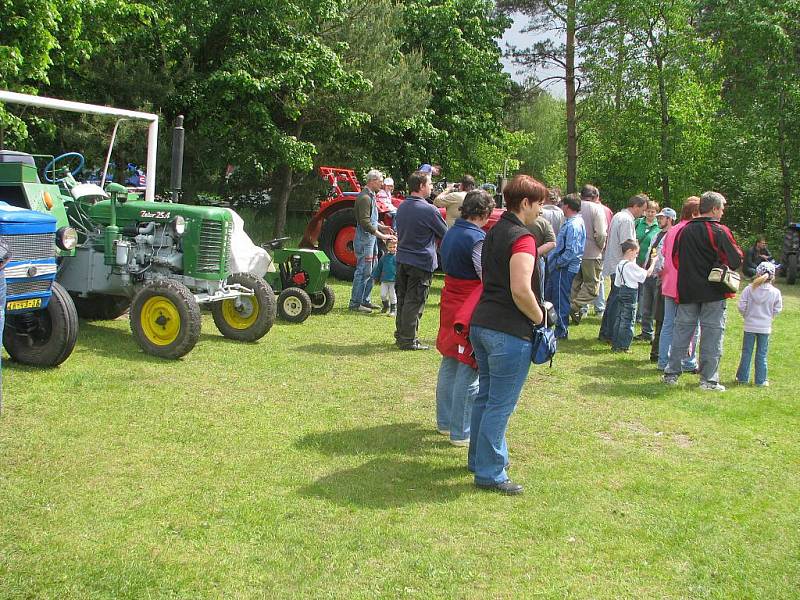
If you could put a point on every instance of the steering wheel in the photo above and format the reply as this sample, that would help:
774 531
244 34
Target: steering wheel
51 166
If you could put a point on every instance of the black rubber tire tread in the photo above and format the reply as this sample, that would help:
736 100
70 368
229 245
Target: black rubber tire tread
63 323
331 226
322 302
791 269
101 307
266 310
188 310
302 296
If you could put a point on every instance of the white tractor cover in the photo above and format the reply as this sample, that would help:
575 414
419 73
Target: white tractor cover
245 256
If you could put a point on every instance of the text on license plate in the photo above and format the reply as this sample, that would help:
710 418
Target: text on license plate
22 304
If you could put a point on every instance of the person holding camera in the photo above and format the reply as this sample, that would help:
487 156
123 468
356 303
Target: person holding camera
453 196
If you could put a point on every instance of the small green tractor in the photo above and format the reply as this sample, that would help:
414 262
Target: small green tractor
300 275
161 260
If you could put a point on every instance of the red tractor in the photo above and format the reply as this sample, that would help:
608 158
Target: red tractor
333 226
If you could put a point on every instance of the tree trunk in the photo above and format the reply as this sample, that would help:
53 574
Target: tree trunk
285 174
664 105
572 134
786 176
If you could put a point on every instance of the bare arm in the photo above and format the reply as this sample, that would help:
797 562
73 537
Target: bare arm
521 266
545 248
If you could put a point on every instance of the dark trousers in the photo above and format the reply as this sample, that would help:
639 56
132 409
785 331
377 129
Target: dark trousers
625 317
658 316
413 285
610 314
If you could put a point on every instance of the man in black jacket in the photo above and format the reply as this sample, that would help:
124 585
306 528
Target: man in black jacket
703 244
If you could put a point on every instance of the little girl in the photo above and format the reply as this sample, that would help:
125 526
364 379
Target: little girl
759 303
385 274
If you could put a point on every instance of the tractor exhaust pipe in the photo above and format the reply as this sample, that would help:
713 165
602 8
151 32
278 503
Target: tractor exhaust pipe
176 178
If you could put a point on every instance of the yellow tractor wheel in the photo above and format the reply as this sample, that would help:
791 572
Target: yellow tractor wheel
165 319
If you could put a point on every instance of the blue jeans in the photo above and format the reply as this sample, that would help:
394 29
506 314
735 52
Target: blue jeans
366 248
456 389
711 316
622 332
2 322
761 343
689 362
559 284
503 364
610 314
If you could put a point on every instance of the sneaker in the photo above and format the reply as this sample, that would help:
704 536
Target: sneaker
460 443
712 386
361 309
643 337
670 379
576 317
370 306
765 384
444 432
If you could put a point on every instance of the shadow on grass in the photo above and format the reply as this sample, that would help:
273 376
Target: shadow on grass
395 438
365 349
601 389
586 347
396 475
620 367
390 482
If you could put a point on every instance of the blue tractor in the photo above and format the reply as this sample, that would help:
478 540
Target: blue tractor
41 323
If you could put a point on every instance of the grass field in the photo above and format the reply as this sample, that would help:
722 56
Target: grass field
307 465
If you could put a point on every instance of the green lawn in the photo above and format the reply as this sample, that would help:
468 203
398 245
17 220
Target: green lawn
307 465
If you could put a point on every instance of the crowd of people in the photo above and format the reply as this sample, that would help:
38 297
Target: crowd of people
548 250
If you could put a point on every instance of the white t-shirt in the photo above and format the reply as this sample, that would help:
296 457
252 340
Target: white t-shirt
629 274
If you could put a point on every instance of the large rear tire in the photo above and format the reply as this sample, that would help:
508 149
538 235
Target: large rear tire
101 307
247 318
791 268
294 305
165 319
53 337
336 240
322 302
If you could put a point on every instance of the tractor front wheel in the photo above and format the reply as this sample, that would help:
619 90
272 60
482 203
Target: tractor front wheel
336 240
46 337
246 318
791 268
165 319
322 302
294 305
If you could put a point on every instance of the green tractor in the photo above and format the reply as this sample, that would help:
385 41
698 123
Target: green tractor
160 260
300 274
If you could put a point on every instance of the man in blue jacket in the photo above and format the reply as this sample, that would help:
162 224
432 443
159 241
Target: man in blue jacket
418 225
565 261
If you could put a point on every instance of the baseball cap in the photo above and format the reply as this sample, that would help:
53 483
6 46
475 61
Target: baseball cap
766 267
388 181
425 168
668 212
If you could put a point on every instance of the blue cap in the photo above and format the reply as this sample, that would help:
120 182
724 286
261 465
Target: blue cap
425 168
668 212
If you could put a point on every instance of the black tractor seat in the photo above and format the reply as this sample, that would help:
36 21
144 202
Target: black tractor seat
275 244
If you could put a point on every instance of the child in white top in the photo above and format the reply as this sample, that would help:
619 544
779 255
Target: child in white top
759 303
627 277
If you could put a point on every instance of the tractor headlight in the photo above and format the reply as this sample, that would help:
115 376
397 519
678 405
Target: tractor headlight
66 238
179 225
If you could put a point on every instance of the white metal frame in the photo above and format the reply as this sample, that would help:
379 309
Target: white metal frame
95 109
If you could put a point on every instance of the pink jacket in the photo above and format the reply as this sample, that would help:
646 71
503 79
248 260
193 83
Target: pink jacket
669 274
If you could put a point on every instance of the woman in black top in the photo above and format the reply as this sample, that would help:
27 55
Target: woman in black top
500 330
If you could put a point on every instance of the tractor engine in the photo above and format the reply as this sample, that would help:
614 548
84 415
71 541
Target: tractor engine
150 247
